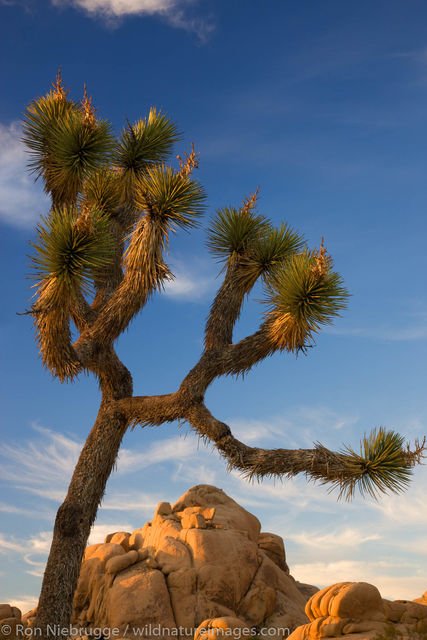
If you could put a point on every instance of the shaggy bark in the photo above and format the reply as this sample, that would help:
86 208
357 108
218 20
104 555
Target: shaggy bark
77 513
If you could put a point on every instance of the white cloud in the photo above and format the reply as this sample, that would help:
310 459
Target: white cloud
24 603
304 425
44 467
21 201
31 513
33 550
172 449
195 473
122 7
388 577
9 545
175 12
192 280
402 334
131 501
346 538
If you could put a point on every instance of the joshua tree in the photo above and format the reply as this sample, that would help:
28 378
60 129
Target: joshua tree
99 255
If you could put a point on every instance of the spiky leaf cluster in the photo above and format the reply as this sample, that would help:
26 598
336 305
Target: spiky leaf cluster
101 190
379 467
169 198
70 247
268 252
148 141
301 300
64 146
40 118
232 231
77 149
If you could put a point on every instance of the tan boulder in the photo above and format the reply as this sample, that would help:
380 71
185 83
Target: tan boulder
228 513
163 509
121 562
191 520
5 611
10 622
138 598
120 537
225 627
93 580
197 560
273 547
356 611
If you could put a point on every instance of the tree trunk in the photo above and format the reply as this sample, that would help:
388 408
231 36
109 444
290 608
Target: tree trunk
76 515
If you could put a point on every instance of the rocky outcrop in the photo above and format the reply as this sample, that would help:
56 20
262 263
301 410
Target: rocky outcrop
201 559
9 618
356 611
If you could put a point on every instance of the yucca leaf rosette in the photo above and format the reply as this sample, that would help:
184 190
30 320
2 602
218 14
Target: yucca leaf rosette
382 466
303 295
232 231
77 148
101 191
165 200
265 254
71 245
148 141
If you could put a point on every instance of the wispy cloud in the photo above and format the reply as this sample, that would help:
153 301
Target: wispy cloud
393 579
174 12
33 550
304 425
21 201
347 538
44 466
9 544
193 280
165 451
21 511
402 334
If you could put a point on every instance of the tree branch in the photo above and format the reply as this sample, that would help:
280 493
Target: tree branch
152 410
226 307
318 463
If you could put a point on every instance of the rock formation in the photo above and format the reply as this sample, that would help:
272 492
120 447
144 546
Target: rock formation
201 568
9 618
202 558
356 611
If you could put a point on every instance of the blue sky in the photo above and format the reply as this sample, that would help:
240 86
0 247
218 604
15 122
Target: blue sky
324 106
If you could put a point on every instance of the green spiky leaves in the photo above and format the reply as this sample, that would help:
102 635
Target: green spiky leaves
171 199
40 117
268 251
101 190
147 142
65 145
381 466
70 247
77 148
232 231
303 295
